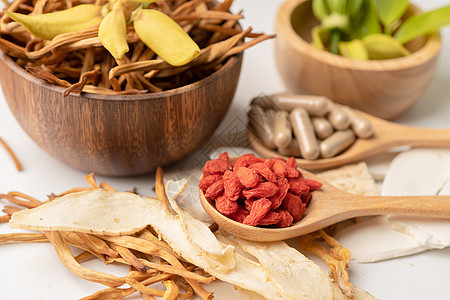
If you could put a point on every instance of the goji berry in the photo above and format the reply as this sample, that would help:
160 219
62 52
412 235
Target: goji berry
294 205
215 189
248 204
247 177
232 185
225 205
278 198
262 190
224 156
306 198
239 215
246 160
259 209
286 219
291 162
206 181
215 166
279 169
291 172
298 186
313 185
270 218
264 170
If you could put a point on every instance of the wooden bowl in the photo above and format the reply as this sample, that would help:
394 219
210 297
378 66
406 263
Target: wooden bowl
384 88
119 135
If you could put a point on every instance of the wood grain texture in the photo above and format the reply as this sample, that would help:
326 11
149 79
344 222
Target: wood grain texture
387 135
119 135
384 88
330 205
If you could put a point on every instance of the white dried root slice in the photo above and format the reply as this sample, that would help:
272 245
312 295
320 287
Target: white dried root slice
96 211
358 293
296 275
197 232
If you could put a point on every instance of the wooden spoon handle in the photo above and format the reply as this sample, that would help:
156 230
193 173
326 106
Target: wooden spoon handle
427 206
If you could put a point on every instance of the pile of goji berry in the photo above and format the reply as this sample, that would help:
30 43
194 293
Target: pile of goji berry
257 191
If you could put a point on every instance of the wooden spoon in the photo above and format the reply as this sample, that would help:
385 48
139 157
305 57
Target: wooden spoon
330 205
387 135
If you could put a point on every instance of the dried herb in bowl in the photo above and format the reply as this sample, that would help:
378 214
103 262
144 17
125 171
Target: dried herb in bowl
122 46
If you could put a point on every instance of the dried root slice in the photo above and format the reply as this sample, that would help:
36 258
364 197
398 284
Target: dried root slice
337 257
84 212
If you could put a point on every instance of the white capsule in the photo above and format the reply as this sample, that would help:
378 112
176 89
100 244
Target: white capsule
361 126
282 129
322 127
304 132
336 143
260 123
314 105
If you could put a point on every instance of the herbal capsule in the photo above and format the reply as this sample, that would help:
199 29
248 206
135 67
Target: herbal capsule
322 127
316 106
291 150
336 143
264 102
260 123
282 129
304 132
360 125
337 117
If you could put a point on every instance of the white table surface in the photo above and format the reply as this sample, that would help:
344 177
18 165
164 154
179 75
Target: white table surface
32 271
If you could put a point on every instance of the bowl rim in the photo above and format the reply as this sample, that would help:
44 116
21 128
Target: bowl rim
284 27
230 63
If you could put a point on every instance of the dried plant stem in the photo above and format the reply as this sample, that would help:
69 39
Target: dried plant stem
12 154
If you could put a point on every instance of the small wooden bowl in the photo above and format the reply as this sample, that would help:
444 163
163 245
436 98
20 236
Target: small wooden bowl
119 135
384 88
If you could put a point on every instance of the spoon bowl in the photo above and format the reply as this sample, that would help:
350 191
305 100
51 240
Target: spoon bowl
387 135
330 205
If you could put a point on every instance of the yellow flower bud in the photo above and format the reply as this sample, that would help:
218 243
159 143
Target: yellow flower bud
113 30
164 36
47 26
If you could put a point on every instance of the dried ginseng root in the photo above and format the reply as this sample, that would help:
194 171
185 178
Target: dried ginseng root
150 258
337 257
12 154
152 45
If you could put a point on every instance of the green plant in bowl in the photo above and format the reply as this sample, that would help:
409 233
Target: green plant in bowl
371 29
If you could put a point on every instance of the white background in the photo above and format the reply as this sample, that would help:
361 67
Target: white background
32 271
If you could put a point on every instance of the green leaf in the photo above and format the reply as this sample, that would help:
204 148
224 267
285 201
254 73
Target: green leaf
368 24
337 6
354 7
423 24
354 49
320 10
383 46
390 11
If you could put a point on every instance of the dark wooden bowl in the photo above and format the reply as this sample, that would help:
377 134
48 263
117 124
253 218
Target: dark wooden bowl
119 135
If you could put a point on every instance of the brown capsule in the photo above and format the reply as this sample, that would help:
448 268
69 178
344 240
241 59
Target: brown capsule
291 150
315 105
264 101
304 132
322 127
282 129
260 123
337 117
361 126
336 143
